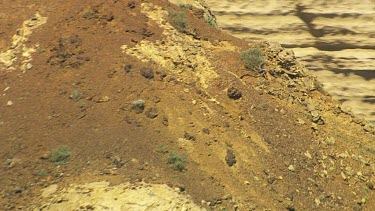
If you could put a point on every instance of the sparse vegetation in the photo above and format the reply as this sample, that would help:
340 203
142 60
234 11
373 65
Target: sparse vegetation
252 58
185 6
76 95
138 105
210 20
42 173
161 148
60 155
41 50
178 21
264 106
88 14
177 161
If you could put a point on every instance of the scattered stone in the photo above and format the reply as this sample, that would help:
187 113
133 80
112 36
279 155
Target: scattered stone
28 66
147 73
206 131
128 120
49 191
104 99
162 74
371 185
289 197
9 103
271 180
189 137
317 201
300 121
290 208
12 162
314 126
330 141
8 161
116 160
308 155
234 93
152 113
359 121
138 106
344 176
369 128
131 5
109 17
316 118
165 121
45 156
346 109
146 33
291 168
357 207
226 124
230 158
17 190
138 123
128 68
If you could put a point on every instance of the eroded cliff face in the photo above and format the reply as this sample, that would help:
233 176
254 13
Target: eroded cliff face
336 40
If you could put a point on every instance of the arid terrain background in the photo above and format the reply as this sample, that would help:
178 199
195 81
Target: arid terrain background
334 39
147 105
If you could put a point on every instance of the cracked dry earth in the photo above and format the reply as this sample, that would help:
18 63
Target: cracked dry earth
129 94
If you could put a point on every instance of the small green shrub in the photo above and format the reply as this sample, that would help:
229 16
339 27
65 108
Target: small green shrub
178 21
177 161
76 95
161 149
210 20
252 58
88 14
60 155
185 6
264 106
138 106
42 173
41 50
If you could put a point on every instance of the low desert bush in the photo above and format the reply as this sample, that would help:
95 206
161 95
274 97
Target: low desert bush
210 20
185 6
177 161
60 155
161 149
178 21
252 58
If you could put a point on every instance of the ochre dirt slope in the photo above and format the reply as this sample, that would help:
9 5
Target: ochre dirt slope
72 74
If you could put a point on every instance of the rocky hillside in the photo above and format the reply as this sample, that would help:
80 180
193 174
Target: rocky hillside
145 105
336 40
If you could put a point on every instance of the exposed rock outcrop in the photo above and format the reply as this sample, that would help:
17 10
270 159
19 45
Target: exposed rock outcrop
334 39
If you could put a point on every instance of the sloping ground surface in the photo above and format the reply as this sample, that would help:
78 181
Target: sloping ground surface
334 39
139 102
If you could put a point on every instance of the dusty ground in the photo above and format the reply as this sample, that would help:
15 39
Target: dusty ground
70 72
